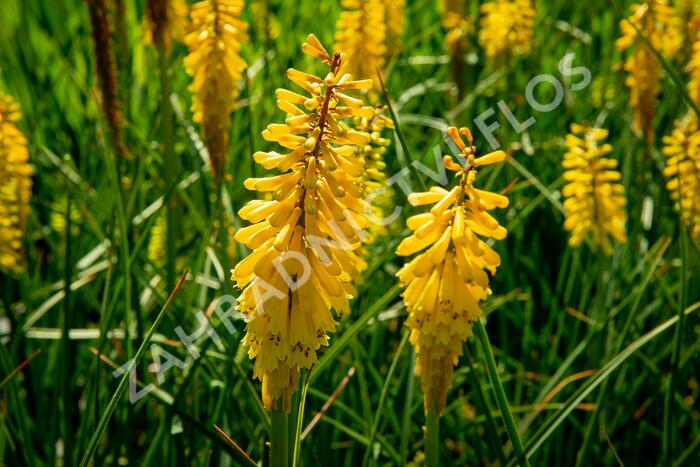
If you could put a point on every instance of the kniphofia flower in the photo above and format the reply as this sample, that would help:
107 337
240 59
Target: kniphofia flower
304 238
694 69
446 281
106 71
595 201
361 36
375 182
506 28
682 150
216 67
394 20
15 188
656 20
166 20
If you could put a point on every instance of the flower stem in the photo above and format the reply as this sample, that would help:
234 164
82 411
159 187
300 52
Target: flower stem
501 399
279 439
432 438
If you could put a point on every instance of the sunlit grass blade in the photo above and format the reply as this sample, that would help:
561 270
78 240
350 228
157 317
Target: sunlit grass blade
123 383
379 410
560 416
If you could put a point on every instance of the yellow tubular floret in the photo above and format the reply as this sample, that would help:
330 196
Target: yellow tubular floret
506 28
595 200
361 35
15 188
657 21
444 283
305 237
682 150
216 67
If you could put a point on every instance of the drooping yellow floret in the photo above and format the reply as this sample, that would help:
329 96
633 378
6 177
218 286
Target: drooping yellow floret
445 283
595 201
167 18
304 238
15 188
682 149
656 20
506 28
375 182
216 67
361 35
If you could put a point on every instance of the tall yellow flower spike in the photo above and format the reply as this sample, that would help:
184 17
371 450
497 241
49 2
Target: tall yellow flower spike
656 20
682 149
15 188
169 15
375 183
216 67
694 69
394 19
304 238
361 35
506 28
595 202
445 283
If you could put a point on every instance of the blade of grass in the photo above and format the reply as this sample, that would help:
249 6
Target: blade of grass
558 418
109 410
382 397
296 454
19 368
340 344
399 134
406 421
498 390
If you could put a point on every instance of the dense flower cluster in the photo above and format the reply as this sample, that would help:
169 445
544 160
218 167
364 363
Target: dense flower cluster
506 28
15 187
304 238
445 283
216 67
657 21
595 202
394 19
361 35
694 69
375 182
682 149
166 19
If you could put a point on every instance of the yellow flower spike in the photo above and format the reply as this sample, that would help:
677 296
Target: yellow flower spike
15 188
506 29
361 35
694 69
168 18
375 183
394 19
594 203
657 21
216 67
444 283
303 241
682 150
